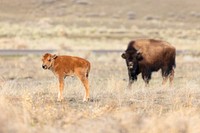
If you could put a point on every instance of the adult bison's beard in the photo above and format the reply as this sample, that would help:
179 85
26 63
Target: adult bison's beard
132 74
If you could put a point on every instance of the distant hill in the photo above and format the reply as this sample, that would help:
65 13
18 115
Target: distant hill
100 12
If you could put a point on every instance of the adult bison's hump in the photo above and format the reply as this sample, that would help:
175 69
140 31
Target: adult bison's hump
152 50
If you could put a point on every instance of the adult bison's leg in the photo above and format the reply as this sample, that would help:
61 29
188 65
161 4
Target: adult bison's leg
132 78
165 73
171 77
164 80
168 72
130 83
146 77
61 86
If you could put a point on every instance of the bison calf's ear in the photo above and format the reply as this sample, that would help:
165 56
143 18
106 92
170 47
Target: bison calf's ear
54 56
123 56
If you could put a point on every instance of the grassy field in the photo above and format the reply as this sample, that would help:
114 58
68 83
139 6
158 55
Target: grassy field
28 99
28 93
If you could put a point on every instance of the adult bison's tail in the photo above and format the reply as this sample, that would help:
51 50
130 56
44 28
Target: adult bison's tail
174 60
174 65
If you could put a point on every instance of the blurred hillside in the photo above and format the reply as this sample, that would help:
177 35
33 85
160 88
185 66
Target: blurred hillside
111 13
96 24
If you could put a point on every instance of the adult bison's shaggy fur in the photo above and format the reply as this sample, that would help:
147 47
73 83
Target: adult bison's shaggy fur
146 56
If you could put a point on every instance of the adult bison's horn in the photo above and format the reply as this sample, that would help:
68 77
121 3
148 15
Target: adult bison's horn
139 51
139 55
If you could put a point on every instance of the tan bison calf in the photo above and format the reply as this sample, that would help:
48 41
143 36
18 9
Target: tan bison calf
63 66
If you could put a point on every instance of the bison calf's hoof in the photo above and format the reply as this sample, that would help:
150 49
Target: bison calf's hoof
86 99
60 99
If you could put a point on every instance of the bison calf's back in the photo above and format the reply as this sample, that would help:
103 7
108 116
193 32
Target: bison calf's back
63 66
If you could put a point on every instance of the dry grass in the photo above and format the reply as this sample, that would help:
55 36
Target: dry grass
28 104
60 37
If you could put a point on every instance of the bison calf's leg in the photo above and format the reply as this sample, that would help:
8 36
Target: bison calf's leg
61 86
84 79
87 91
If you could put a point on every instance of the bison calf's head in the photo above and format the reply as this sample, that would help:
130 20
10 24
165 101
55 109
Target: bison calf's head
48 60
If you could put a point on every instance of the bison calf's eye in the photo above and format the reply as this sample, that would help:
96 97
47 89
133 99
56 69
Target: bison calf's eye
49 60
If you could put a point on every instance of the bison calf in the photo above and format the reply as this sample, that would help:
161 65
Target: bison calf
146 56
63 66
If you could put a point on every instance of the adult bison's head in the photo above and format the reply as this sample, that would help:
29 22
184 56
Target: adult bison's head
48 60
132 58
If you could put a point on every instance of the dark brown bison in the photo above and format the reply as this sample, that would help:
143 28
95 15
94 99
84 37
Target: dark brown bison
146 56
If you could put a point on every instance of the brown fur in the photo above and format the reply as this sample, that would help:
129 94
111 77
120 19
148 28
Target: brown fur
63 66
150 55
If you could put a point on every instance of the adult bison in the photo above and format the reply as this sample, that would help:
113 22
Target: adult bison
146 56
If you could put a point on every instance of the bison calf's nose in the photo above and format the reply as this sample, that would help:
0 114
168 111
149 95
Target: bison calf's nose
43 66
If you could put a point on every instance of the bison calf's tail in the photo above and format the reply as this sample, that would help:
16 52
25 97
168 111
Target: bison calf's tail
88 71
